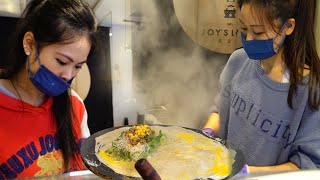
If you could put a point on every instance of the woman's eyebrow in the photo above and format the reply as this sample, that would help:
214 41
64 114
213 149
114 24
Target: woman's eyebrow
252 25
70 59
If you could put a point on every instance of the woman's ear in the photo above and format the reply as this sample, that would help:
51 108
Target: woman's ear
291 23
29 43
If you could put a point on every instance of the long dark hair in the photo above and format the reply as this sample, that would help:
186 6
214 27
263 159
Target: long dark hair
54 21
300 46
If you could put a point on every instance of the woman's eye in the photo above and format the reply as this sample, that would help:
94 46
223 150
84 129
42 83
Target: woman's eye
61 62
258 33
243 29
78 67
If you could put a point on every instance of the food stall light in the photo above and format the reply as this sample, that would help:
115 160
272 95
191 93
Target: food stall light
80 173
110 32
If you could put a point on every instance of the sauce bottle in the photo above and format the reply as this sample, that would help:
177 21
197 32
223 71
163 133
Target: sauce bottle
146 171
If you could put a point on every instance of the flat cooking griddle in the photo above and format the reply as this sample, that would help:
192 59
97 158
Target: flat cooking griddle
91 161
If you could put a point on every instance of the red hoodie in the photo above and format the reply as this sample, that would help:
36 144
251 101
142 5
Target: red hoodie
28 141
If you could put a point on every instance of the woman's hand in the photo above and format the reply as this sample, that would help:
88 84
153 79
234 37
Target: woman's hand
289 166
213 122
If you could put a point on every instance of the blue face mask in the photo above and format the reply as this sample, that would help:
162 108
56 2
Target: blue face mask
260 49
46 81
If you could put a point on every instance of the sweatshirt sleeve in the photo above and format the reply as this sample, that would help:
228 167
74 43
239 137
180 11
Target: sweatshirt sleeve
305 151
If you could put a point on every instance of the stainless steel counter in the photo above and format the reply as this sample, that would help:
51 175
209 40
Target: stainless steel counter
77 175
295 175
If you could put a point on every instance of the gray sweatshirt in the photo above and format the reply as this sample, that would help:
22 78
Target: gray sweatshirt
256 118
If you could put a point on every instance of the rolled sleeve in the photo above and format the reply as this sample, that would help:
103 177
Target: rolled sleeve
305 151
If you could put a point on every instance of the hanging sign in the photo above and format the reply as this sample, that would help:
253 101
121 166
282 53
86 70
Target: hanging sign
210 23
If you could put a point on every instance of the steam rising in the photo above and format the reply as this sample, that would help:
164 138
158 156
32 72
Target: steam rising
175 78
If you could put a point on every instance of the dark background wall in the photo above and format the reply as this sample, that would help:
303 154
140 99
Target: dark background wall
7 26
99 99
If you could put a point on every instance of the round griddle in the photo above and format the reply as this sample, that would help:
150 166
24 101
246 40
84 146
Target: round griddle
91 161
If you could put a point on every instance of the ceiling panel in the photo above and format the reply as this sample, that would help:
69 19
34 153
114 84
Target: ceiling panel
111 12
92 3
108 12
11 8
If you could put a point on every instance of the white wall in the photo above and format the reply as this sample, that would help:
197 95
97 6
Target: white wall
112 13
121 64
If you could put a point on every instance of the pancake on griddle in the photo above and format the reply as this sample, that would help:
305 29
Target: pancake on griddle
184 154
